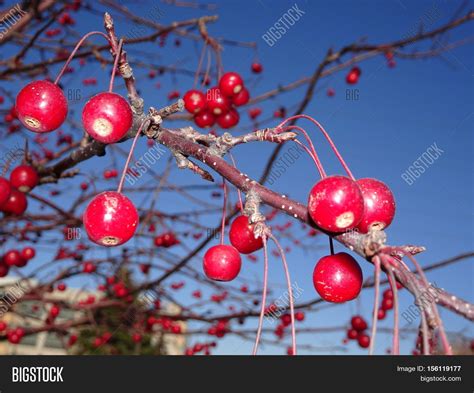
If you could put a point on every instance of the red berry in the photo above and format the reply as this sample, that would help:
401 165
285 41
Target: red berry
331 92
299 316
107 117
13 258
222 263
242 236
136 337
217 103
241 98
388 293
5 190
230 84
24 178
194 101
61 287
3 326
352 334
257 68
358 323
41 106
3 269
16 203
28 253
204 119
54 311
88 267
387 304
353 76
110 219
228 119
337 278
379 205
336 204
363 340
381 314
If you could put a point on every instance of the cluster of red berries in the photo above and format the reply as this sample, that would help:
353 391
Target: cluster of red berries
15 258
285 322
42 107
14 336
337 204
205 348
219 102
219 329
357 331
12 198
166 240
223 262
165 323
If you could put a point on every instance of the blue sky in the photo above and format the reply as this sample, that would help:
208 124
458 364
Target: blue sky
399 114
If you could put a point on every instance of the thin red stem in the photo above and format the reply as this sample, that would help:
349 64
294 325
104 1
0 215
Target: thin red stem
290 292
376 303
114 70
264 295
127 163
224 208
393 286
73 53
328 138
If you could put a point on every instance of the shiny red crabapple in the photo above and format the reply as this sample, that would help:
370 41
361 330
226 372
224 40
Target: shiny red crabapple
110 219
222 263
387 304
381 314
5 190
242 236
13 258
363 340
256 67
353 76
358 323
204 119
228 119
24 178
194 101
352 334
16 203
217 103
28 253
379 205
336 204
241 98
230 84
107 117
337 278
41 106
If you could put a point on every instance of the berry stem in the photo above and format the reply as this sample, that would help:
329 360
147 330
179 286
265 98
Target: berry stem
442 332
114 70
73 53
127 163
241 205
326 135
264 295
393 287
198 69
376 303
224 205
290 292
331 245
313 154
